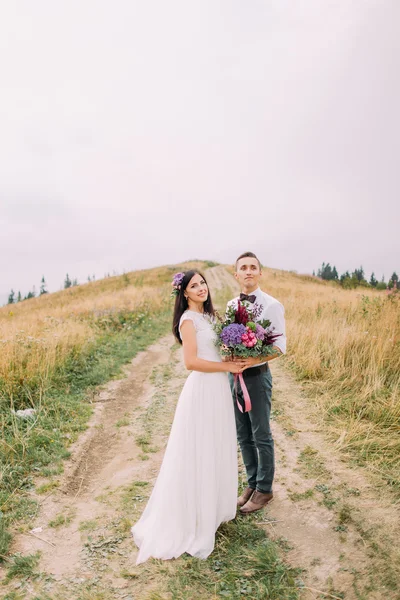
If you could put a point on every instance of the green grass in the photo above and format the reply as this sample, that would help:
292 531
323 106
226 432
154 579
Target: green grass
23 566
62 519
47 487
328 499
297 496
124 422
5 537
345 514
127 574
143 441
14 596
244 564
134 493
40 448
312 464
88 525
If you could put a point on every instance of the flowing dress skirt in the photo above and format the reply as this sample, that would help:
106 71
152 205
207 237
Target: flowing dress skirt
196 489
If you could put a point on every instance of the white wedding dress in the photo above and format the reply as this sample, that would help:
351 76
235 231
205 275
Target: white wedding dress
196 489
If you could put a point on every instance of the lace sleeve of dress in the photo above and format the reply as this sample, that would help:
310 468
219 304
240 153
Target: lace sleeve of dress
186 317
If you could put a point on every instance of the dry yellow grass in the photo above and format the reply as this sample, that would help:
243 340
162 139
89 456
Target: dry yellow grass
346 345
37 335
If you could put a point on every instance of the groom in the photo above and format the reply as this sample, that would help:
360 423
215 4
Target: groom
253 428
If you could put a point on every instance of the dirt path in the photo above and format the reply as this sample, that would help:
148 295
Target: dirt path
339 527
123 446
326 515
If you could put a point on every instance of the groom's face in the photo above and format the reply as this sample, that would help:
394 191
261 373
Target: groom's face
248 273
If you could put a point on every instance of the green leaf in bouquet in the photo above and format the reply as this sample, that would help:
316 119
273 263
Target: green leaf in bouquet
265 324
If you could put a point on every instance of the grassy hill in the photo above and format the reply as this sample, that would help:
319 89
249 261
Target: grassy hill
344 344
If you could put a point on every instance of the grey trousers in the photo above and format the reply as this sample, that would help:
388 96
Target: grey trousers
253 429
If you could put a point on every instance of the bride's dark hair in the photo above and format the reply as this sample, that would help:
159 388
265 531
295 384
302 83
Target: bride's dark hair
181 303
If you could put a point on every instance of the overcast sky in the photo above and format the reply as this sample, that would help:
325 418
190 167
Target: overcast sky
139 133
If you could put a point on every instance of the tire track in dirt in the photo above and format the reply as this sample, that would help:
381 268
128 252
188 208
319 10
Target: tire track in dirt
104 443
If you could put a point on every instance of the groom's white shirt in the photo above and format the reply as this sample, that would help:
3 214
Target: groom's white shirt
272 311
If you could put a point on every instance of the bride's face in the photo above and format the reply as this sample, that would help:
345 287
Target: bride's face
197 290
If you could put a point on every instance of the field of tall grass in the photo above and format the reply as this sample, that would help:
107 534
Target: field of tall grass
345 346
53 351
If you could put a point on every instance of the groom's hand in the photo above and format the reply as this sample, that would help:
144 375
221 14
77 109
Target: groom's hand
250 362
256 360
237 359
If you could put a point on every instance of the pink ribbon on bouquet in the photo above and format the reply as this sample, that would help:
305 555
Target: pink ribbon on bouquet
245 392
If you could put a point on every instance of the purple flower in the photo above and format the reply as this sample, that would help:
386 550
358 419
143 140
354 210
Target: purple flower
256 311
232 334
177 280
260 332
176 284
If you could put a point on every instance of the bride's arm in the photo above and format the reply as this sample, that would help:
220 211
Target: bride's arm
193 363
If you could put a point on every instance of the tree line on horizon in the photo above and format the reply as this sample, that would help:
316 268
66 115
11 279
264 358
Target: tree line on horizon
356 278
13 298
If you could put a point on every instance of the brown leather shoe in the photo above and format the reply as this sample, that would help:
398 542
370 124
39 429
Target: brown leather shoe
246 495
256 502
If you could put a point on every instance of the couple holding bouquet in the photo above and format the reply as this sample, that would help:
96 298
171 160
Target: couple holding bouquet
226 397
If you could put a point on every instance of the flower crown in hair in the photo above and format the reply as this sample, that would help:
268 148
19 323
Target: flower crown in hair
176 283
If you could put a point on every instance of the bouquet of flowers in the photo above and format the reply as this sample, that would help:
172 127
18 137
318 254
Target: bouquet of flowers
243 335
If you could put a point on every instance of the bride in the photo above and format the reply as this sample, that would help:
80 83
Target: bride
196 489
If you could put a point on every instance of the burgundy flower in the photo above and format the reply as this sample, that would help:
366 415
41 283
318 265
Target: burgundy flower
241 314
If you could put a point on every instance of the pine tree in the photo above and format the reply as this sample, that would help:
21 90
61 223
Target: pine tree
394 280
43 287
31 294
344 276
373 281
11 298
19 299
75 282
67 282
327 272
358 274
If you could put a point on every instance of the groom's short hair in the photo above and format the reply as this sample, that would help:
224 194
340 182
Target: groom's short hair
247 255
